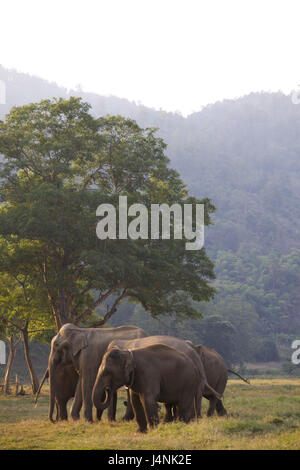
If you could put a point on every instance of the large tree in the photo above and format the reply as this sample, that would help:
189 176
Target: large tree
60 163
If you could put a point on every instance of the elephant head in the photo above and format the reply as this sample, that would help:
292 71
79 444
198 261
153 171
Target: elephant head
116 369
65 347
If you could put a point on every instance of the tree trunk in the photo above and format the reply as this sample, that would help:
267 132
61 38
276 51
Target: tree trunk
63 306
33 376
11 357
58 305
17 385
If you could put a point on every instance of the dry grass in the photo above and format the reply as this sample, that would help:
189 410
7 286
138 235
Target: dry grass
265 415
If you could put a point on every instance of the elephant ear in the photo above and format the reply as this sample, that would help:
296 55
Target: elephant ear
78 343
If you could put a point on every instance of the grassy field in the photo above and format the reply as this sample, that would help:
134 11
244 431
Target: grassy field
265 415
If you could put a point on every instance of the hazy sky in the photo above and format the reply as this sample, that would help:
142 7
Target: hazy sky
170 54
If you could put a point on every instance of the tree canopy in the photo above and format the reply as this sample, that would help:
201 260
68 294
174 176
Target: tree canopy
60 163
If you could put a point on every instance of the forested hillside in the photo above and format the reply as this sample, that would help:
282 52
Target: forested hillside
244 154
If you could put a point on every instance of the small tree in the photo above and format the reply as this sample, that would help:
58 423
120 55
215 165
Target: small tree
22 314
12 336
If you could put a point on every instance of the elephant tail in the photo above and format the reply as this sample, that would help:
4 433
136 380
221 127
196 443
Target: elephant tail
195 408
46 376
211 391
238 375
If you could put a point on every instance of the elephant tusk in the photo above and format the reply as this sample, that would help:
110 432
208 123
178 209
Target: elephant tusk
106 398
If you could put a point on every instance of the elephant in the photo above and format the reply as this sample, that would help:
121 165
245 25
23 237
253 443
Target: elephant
180 345
217 375
154 373
81 349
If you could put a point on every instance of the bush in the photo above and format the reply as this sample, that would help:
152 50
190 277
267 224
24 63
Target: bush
266 351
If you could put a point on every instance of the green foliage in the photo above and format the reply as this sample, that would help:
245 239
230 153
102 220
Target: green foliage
59 164
266 351
23 307
252 317
259 296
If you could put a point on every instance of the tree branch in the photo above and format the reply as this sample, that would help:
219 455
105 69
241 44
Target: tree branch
111 311
50 295
99 301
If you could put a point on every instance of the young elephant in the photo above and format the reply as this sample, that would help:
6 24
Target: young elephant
156 373
188 349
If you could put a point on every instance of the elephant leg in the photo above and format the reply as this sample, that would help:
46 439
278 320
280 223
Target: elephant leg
62 411
199 395
138 411
129 414
87 387
212 405
57 411
174 412
151 410
99 414
220 408
184 413
169 416
77 402
112 408
186 409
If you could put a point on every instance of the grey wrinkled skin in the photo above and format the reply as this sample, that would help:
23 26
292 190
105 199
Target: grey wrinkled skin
204 387
154 373
79 351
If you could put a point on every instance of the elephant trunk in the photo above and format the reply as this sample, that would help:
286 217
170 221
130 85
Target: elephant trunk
101 396
45 376
52 391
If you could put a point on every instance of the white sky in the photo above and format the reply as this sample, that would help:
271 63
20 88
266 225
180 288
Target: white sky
170 54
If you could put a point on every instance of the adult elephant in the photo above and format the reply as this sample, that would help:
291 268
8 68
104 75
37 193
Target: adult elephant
154 373
180 345
217 375
82 349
